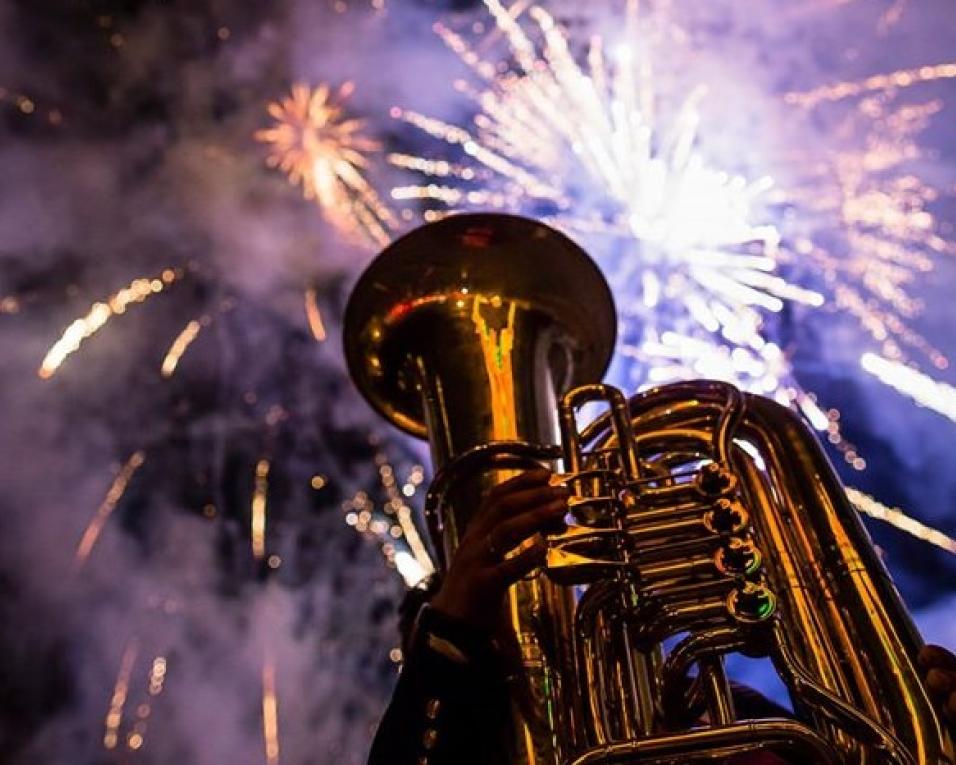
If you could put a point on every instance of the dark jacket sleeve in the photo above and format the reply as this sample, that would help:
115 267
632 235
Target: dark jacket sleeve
450 702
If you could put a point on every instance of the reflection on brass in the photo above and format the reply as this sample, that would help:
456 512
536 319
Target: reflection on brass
699 514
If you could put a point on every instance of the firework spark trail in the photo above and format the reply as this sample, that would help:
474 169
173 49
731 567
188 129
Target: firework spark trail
552 130
327 155
898 518
314 315
270 712
923 389
114 717
179 346
257 524
103 512
394 524
100 313
882 211
878 83
155 683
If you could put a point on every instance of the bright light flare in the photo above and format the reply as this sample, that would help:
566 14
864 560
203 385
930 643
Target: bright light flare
103 512
100 313
327 154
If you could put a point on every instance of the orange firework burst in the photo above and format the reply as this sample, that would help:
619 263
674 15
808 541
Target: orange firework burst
325 152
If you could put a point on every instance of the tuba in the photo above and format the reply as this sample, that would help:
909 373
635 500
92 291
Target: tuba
703 522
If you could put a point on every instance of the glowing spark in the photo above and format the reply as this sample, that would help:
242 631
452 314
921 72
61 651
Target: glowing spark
327 154
314 315
924 390
103 512
179 346
903 78
896 517
270 712
891 16
99 313
258 523
120 690
157 675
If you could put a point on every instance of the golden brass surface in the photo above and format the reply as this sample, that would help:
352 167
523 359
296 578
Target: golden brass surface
705 521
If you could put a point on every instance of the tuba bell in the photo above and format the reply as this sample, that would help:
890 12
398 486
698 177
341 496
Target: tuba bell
704 521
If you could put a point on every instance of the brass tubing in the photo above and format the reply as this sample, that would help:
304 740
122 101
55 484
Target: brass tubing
704 643
785 737
691 593
806 633
666 532
878 641
649 513
716 689
851 719
688 568
669 620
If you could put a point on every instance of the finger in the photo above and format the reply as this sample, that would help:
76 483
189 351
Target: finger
940 683
936 657
511 532
525 480
497 510
510 570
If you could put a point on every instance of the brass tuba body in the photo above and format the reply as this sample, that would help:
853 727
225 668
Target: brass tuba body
706 521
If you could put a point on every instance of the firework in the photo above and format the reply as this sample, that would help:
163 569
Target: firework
327 154
270 712
696 255
554 133
257 524
105 510
862 195
393 525
923 389
896 517
101 312
314 315
179 346
114 717
878 83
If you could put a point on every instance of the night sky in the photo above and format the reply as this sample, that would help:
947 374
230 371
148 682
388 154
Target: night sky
127 150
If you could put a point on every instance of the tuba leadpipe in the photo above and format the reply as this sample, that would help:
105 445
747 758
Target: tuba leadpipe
705 522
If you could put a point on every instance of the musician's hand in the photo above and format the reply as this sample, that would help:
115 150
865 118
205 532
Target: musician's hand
939 676
511 513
